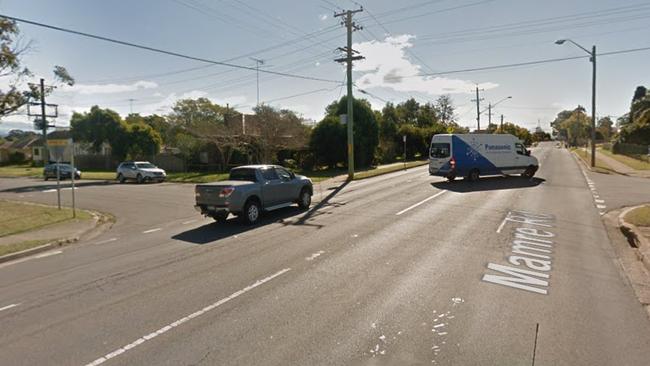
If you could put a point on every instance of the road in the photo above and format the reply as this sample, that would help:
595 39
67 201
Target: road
402 269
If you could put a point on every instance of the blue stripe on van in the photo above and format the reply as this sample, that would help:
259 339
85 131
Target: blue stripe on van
468 158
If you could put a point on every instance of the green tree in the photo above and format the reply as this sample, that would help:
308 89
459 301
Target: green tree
445 108
13 73
143 140
605 127
366 131
279 129
100 126
328 141
199 116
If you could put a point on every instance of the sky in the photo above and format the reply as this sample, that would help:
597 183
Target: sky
400 41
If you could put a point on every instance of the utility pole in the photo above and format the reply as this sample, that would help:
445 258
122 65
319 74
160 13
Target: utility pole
258 62
593 108
46 155
131 104
351 27
478 109
502 123
489 114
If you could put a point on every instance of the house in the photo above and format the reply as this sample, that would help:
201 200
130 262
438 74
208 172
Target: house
23 146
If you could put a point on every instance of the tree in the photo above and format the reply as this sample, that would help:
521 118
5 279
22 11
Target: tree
521 133
408 111
143 140
605 127
199 116
427 115
366 131
445 108
12 72
279 129
328 141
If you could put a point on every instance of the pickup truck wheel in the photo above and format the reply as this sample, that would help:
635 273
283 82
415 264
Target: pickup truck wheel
251 212
304 200
220 217
139 178
120 178
473 175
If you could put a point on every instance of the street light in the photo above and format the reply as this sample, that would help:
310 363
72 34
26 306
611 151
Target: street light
592 59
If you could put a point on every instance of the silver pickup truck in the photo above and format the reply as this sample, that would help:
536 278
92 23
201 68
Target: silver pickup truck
252 189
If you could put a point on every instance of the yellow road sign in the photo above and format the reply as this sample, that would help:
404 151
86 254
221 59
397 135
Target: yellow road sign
61 142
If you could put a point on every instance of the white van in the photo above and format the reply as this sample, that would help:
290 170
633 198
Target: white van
473 155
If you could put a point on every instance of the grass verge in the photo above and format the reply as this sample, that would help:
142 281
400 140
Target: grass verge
23 170
629 161
639 216
18 217
17 247
601 167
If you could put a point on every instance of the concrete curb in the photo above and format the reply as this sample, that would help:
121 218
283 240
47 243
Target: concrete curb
584 163
634 236
101 221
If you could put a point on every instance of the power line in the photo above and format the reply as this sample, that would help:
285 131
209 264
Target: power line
157 50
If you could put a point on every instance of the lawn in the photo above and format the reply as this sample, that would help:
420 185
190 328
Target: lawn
196 177
601 167
24 170
631 162
639 216
17 247
19 217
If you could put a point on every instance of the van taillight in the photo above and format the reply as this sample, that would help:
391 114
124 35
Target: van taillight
452 162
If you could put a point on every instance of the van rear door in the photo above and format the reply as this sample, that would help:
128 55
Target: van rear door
439 156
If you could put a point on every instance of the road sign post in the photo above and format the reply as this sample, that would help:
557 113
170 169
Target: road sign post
59 149
404 140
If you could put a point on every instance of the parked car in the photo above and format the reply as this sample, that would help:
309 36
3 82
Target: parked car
252 189
140 171
65 171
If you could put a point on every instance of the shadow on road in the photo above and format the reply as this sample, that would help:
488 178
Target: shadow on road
489 184
233 226
66 184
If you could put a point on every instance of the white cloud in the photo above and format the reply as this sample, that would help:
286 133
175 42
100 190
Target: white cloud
386 65
110 88
322 17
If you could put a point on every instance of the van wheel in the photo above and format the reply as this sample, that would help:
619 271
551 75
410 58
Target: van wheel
451 178
473 175
529 173
251 212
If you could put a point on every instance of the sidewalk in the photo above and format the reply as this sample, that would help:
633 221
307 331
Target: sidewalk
621 168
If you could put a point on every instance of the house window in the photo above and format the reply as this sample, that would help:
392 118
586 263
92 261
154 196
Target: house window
37 152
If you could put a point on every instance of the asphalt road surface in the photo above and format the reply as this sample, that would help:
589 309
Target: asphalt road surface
403 269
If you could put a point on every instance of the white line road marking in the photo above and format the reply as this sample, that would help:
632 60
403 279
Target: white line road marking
48 254
151 230
49 190
105 241
315 255
601 206
188 222
503 223
419 203
180 321
9 307
599 201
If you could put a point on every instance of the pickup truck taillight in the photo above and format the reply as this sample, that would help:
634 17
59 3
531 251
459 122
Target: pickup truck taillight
226 192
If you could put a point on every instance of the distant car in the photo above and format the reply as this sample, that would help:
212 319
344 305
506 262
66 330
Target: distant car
140 171
65 171
252 189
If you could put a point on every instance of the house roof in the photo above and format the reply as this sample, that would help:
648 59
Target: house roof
22 143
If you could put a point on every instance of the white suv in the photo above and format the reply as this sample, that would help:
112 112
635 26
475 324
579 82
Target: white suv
141 171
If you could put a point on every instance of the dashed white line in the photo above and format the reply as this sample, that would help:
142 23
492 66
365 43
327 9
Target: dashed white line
419 203
502 223
599 201
601 206
315 255
9 307
151 230
188 222
48 254
180 321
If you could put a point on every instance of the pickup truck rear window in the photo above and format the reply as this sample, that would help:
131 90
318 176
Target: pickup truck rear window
243 174
439 150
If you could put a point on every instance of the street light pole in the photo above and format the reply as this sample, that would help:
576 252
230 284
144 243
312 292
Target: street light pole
592 58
